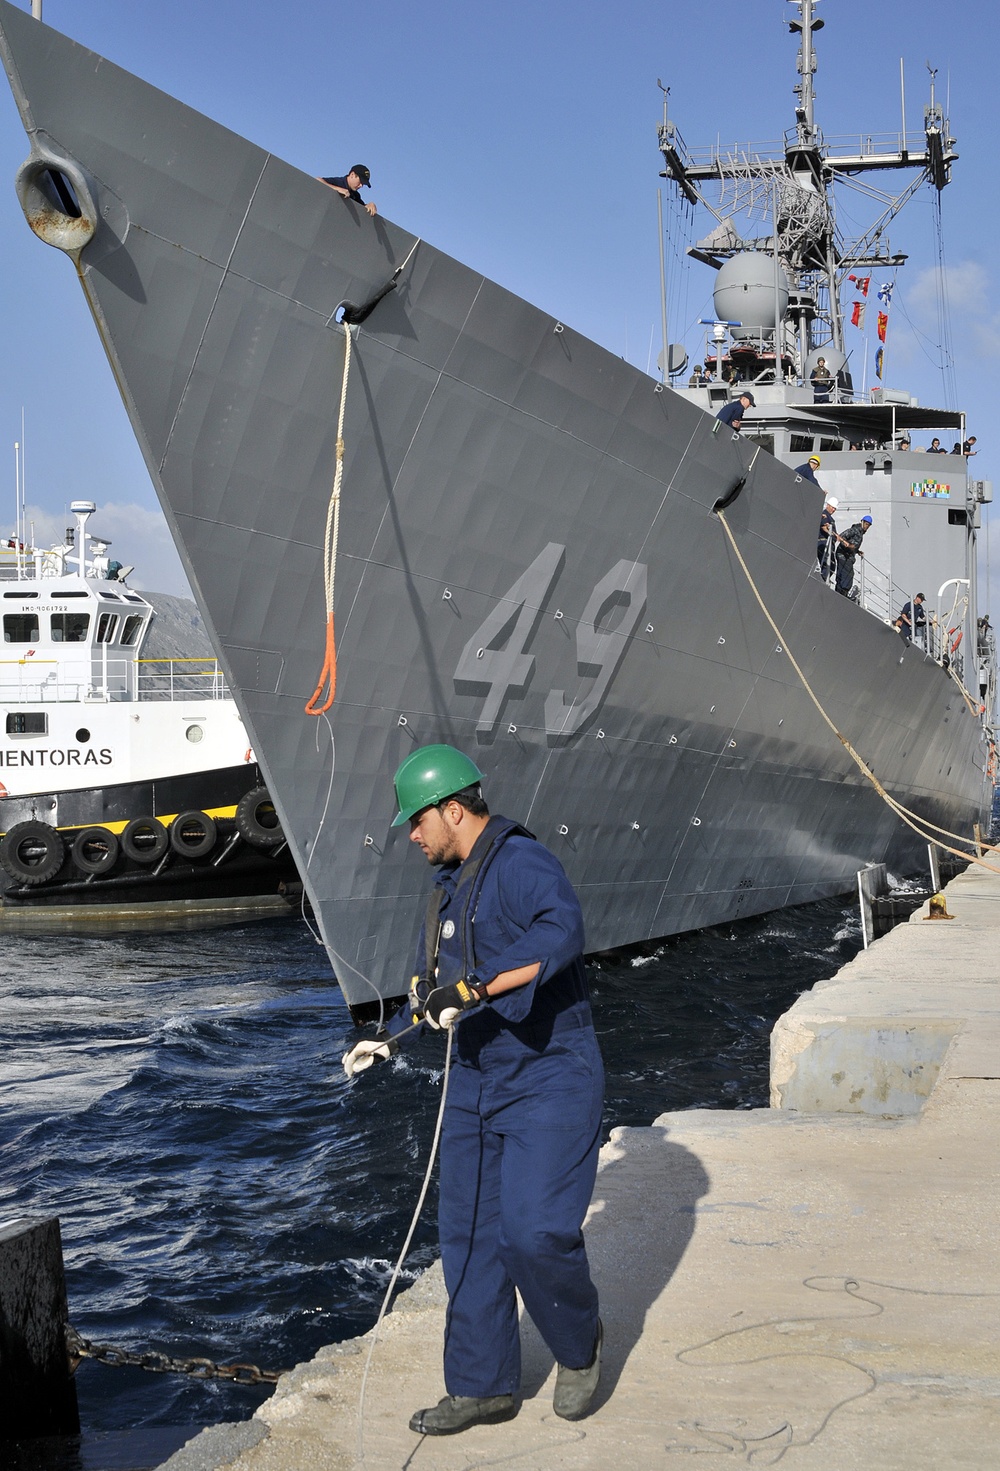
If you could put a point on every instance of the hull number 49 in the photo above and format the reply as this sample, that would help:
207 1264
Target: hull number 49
495 662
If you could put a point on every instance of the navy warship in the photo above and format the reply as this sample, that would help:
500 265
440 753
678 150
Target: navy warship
415 508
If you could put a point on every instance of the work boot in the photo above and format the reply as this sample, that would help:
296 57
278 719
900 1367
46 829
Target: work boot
575 1387
458 1411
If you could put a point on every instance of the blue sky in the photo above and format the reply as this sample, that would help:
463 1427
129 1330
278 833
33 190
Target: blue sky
522 139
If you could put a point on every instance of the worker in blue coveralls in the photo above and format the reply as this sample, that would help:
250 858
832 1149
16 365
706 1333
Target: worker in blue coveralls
500 961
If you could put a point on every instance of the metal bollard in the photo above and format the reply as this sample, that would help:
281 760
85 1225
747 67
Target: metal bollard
37 1392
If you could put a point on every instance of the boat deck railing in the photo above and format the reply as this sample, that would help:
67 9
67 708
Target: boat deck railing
174 679
91 676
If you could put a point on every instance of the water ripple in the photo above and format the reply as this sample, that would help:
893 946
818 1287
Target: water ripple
224 1192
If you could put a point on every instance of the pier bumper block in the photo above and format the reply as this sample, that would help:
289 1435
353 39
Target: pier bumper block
886 1066
37 1392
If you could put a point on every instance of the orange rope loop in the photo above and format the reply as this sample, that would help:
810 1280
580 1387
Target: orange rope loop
326 685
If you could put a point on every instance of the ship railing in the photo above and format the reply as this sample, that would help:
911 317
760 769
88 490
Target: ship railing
176 679
945 642
851 146
36 681
941 638
885 599
94 677
26 564
86 676
744 159
877 593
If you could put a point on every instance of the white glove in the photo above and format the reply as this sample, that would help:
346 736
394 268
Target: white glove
363 1054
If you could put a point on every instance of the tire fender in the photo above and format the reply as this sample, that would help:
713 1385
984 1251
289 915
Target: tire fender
95 850
193 834
145 840
256 820
32 852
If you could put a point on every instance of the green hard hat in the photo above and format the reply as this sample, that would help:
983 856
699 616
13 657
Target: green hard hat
428 775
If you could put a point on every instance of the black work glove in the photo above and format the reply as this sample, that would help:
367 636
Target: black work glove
446 1004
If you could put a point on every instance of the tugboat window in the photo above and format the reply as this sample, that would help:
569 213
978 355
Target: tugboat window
131 630
70 628
28 722
20 628
106 625
799 443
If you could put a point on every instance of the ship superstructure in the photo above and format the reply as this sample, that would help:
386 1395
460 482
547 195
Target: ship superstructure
529 561
784 267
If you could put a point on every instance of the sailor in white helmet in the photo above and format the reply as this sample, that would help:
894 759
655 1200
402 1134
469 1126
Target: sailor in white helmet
828 538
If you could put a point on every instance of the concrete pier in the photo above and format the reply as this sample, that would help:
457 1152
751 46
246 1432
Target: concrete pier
816 1284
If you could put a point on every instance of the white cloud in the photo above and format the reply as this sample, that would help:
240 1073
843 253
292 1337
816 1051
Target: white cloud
975 318
138 536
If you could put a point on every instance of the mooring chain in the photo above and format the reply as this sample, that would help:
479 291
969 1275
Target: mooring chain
118 1358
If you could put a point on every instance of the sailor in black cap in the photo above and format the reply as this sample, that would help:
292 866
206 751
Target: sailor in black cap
350 185
733 412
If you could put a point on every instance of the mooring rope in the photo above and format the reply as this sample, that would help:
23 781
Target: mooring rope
406 1244
328 675
911 819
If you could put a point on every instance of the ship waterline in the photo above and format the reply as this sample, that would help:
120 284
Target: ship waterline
530 565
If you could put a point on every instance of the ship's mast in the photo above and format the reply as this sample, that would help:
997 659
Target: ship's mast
788 193
807 65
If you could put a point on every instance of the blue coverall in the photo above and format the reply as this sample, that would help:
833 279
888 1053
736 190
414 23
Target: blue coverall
522 1123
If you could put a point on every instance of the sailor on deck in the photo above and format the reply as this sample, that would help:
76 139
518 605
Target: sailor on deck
912 620
848 549
500 959
732 413
350 185
829 540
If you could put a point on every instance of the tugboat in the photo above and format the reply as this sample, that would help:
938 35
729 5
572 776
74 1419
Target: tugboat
125 780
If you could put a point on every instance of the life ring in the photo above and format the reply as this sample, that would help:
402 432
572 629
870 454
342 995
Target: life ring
193 834
957 640
145 840
32 852
256 820
95 850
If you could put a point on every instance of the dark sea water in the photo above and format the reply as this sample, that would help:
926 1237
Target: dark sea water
177 1101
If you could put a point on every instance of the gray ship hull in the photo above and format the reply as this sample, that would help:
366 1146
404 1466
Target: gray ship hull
529 565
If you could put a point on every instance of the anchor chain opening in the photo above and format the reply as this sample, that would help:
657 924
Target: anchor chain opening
58 201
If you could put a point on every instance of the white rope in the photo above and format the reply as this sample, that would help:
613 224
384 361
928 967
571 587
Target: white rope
406 1244
328 674
903 813
333 510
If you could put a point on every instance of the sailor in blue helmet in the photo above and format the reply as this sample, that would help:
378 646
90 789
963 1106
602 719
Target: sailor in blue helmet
849 547
500 961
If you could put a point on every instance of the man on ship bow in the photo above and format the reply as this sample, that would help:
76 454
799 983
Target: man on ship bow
500 961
